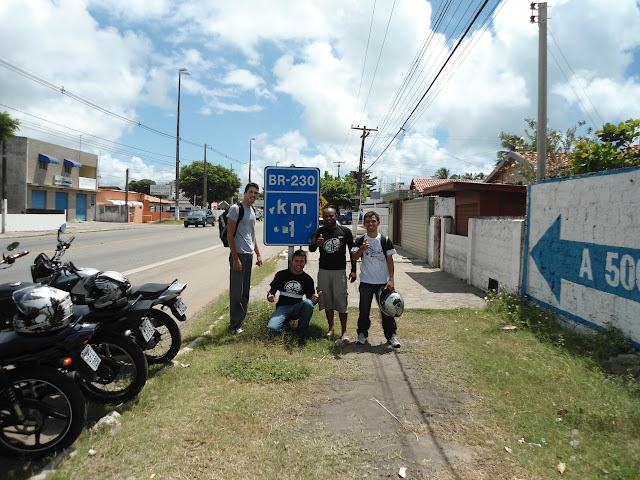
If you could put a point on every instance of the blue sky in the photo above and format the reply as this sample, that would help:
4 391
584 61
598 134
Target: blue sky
292 75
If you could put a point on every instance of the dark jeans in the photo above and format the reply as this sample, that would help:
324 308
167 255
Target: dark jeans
367 292
301 311
239 285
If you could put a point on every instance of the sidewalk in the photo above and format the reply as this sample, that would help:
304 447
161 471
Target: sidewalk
421 285
80 227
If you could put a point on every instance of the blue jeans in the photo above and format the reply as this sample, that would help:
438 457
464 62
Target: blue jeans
367 292
239 285
301 311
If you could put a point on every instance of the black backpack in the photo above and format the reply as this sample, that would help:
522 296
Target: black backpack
222 223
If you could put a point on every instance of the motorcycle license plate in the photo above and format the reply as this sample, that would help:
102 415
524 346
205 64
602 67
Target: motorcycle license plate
181 307
147 329
90 357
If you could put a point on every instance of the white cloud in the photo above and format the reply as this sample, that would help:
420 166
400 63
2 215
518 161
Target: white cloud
293 69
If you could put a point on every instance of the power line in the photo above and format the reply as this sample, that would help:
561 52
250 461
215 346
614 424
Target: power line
62 90
574 76
434 80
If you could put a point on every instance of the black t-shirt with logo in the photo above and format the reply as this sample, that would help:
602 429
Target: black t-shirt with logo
334 249
292 287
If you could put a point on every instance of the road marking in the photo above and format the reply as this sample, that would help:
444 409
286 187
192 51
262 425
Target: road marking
164 262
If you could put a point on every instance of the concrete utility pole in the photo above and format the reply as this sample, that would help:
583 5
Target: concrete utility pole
126 196
339 163
541 170
204 188
365 134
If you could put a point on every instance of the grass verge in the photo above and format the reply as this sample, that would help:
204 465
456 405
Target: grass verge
231 409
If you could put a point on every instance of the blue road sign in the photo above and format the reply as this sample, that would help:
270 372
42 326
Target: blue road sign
291 198
614 270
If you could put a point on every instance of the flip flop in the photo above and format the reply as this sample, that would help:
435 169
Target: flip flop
346 340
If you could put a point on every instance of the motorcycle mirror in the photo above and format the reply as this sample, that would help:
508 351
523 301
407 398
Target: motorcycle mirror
13 246
63 228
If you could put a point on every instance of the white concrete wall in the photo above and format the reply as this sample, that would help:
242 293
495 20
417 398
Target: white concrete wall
495 251
454 255
15 222
583 248
445 207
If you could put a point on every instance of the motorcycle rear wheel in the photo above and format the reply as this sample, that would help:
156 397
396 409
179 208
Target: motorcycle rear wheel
54 408
122 373
170 337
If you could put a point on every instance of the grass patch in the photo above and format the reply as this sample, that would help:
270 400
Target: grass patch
232 408
264 369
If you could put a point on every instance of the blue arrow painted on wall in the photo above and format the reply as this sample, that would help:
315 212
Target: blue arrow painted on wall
614 270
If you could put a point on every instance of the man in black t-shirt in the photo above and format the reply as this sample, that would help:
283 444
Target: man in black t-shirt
334 243
293 283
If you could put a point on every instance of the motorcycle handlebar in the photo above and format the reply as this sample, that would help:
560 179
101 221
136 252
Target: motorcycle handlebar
12 258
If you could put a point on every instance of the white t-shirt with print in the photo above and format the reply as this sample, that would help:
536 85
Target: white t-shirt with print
373 268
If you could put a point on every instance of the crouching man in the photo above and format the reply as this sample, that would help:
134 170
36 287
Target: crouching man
293 283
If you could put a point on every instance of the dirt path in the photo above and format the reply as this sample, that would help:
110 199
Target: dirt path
390 410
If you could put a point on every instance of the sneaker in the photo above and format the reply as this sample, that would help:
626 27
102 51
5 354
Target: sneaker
237 331
362 339
393 341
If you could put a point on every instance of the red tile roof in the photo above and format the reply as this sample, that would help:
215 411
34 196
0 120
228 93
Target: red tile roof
421 183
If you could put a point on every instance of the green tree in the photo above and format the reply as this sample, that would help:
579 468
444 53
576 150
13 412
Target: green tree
560 145
338 191
442 173
8 126
222 183
141 186
612 149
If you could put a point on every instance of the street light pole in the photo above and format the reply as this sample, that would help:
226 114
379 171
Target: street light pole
250 140
180 73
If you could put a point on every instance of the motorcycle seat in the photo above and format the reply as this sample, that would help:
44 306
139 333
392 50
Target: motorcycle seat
149 290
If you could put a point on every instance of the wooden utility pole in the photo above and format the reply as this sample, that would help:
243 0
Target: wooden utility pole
204 194
365 134
339 163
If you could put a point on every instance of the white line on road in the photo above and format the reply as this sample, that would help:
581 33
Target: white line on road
164 262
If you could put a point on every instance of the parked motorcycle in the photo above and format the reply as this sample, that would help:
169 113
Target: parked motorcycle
46 331
42 410
153 329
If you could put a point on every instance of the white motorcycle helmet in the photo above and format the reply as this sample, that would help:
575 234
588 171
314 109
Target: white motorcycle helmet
391 302
42 310
107 291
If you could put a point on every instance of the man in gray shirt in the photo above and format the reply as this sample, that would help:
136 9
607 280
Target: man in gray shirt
241 236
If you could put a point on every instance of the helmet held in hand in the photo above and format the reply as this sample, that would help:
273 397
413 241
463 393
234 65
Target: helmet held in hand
391 302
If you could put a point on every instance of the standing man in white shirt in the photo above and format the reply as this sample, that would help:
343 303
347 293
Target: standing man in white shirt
241 236
376 273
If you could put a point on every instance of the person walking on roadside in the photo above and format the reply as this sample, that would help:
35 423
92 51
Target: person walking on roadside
334 243
376 273
241 236
293 283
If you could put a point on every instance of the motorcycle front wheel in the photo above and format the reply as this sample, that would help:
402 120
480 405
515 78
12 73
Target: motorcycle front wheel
53 407
170 337
122 372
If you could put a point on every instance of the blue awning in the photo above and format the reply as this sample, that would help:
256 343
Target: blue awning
71 163
46 158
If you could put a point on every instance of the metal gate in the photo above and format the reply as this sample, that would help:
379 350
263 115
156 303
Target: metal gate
81 206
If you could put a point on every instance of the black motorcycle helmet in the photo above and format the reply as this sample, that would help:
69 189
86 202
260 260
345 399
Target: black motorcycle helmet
107 291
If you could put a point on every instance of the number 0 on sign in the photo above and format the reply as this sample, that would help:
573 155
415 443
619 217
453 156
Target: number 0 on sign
291 197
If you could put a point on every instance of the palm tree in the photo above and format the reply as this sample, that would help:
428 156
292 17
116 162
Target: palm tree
441 173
